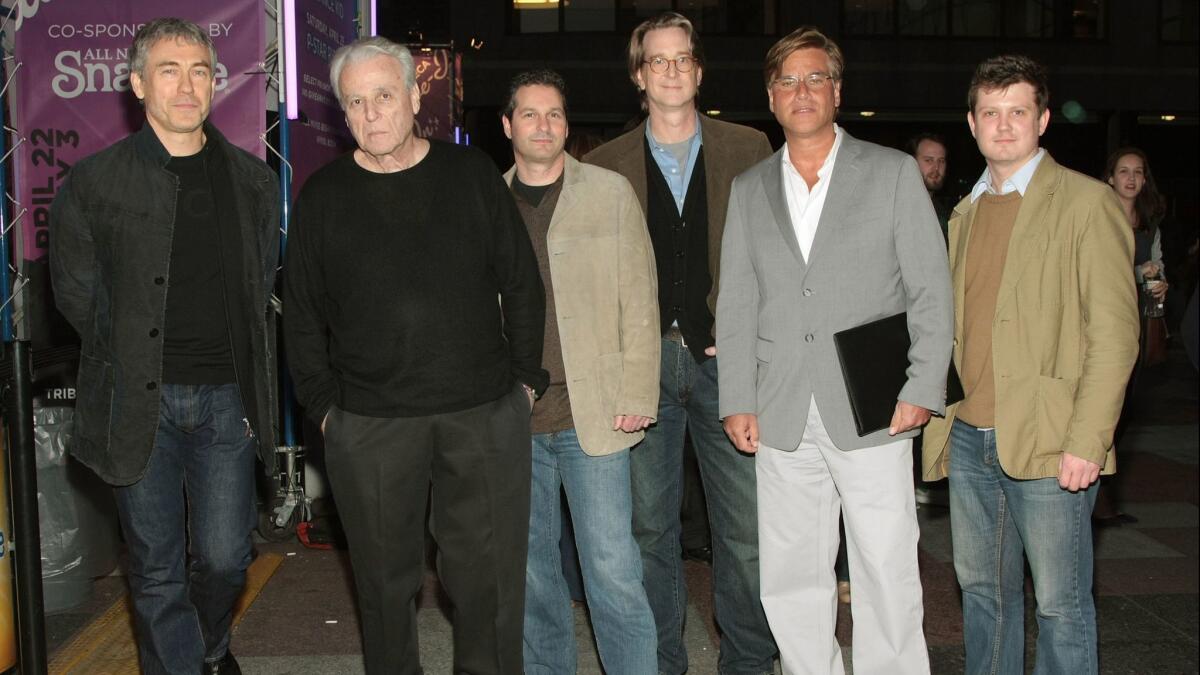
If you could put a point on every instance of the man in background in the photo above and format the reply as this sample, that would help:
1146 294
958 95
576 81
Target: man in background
929 149
681 164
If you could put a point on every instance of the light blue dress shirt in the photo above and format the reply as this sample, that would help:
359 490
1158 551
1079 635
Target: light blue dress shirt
1019 181
678 177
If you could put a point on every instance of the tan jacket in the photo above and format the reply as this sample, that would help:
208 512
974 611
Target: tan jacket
729 149
606 296
1065 334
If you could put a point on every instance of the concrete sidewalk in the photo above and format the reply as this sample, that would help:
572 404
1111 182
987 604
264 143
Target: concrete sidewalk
304 620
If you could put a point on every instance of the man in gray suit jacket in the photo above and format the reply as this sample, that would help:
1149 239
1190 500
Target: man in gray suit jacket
828 234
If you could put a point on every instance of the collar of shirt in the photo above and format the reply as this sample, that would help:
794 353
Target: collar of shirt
1019 181
806 204
826 166
678 177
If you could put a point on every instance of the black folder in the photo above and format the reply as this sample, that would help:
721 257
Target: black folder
874 358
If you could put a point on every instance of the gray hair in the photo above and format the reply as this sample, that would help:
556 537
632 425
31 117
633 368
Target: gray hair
163 29
368 48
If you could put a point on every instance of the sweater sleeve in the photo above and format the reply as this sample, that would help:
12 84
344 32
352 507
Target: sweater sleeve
305 322
522 296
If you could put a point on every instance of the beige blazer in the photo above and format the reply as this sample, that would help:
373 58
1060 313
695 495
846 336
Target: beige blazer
606 296
1065 334
729 149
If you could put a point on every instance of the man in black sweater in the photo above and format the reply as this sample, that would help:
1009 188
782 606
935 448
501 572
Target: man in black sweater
162 256
416 374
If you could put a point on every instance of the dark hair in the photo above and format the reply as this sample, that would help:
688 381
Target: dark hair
580 144
162 29
1149 206
915 142
1001 72
542 76
804 37
637 44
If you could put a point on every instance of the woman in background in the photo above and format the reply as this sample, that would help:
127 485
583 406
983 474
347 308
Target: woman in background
1128 172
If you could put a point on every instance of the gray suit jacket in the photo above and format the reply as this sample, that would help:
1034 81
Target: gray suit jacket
878 251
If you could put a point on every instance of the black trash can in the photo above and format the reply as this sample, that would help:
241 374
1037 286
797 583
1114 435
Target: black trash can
77 513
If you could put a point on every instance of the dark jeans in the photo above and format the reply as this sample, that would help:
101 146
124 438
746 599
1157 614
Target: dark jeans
187 523
688 400
477 464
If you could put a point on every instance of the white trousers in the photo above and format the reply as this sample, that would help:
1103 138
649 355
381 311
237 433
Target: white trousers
800 494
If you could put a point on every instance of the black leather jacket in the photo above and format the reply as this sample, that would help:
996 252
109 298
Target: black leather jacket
111 227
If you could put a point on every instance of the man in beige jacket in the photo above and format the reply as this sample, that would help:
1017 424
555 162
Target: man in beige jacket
1045 327
602 351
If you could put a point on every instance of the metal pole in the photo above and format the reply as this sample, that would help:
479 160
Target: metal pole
22 464
288 423
27 559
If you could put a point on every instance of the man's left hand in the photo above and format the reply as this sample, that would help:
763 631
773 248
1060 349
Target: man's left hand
1076 473
630 423
907 416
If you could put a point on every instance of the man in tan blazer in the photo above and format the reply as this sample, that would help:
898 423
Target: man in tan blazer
602 351
1045 328
681 165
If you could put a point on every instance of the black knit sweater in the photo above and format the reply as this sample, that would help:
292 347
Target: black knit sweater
411 293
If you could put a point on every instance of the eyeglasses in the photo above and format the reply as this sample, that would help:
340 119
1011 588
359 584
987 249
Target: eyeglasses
660 64
813 81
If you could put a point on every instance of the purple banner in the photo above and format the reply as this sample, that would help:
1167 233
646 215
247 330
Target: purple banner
320 133
439 75
73 95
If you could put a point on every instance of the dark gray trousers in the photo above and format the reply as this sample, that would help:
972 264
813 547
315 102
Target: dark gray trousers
477 463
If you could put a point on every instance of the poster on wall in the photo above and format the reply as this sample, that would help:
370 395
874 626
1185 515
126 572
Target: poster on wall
72 98
313 31
439 75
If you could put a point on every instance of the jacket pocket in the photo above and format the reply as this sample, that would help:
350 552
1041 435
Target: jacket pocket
1055 404
94 401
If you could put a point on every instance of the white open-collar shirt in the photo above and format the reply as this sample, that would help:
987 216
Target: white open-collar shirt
804 204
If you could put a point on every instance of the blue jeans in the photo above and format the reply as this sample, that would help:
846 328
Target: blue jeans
688 400
994 519
188 523
598 492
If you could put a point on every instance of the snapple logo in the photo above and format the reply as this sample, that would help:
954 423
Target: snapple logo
76 77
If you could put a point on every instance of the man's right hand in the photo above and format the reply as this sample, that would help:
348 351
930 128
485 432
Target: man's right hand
742 429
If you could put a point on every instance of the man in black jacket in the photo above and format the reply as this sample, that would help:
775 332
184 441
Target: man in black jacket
163 251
